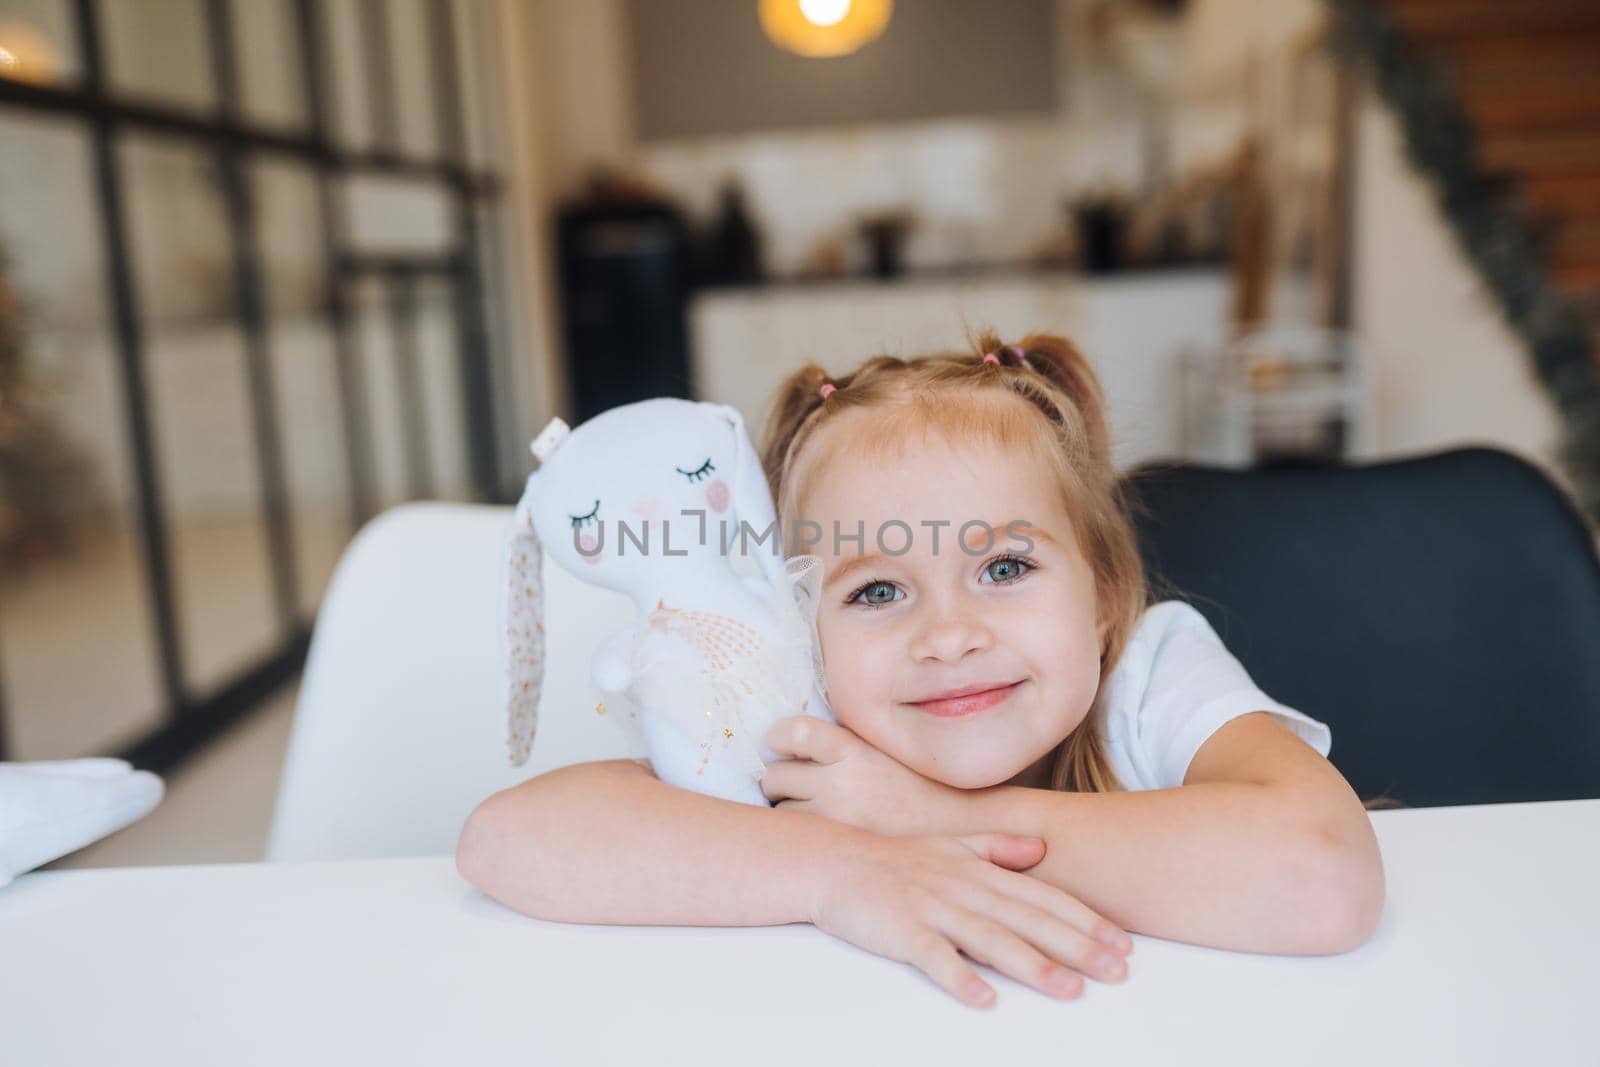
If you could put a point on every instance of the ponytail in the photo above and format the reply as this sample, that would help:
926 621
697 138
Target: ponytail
797 399
1059 361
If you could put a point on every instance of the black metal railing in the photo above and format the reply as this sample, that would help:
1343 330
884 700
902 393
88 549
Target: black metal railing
229 137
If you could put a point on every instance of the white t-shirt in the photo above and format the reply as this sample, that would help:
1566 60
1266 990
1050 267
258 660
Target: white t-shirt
1173 687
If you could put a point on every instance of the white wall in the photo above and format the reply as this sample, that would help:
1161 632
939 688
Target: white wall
1448 370
586 112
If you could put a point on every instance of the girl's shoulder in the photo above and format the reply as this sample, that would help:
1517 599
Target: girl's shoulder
1175 684
1165 642
1167 636
1168 616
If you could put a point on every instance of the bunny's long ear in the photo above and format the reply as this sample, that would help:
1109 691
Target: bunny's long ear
752 499
522 612
522 607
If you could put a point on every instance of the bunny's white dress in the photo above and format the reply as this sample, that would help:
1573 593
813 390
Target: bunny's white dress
718 684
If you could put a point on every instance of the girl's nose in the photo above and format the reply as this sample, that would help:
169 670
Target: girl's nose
949 637
646 507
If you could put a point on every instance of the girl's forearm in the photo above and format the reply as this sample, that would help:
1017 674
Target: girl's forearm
611 843
1234 865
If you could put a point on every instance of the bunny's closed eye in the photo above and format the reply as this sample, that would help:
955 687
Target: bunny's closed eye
700 473
584 520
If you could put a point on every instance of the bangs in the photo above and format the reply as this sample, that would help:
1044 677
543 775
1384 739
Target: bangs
967 416
882 433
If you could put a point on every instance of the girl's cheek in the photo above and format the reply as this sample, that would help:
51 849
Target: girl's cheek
717 496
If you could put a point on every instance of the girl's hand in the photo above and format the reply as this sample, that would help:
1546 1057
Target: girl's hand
832 772
926 900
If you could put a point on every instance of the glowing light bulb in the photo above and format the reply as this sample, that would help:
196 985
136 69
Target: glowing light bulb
822 28
26 55
824 12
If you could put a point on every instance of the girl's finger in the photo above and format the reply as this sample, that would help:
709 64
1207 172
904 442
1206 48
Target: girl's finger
1062 905
1057 939
789 780
933 954
806 737
993 943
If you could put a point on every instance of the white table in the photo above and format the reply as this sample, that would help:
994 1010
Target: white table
1488 953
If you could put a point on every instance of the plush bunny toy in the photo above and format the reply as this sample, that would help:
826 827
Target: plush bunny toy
664 500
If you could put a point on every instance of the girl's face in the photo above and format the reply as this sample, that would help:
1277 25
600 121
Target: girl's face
1013 626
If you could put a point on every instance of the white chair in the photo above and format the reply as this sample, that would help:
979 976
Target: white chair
400 728
1280 382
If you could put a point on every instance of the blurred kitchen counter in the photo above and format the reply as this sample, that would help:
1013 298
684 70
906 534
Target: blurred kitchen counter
1133 327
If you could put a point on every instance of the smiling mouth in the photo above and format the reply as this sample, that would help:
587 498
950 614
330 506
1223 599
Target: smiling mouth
966 703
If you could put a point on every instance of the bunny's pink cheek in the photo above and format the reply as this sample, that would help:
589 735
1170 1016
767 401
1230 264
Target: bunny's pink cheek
717 495
588 548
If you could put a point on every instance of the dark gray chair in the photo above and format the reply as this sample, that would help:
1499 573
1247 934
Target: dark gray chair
1441 614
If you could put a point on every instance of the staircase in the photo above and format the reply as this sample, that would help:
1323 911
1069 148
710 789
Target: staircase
1527 74
1500 104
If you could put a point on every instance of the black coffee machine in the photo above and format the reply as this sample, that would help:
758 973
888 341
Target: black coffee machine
626 274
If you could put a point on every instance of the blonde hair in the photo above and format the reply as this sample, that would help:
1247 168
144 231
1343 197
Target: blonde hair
970 397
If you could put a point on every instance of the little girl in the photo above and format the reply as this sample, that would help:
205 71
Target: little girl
1007 702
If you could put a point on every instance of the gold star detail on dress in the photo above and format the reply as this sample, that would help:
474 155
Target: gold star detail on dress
599 709
727 733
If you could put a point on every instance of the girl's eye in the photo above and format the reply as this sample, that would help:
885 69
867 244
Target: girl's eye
1003 569
699 474
585 520
874 594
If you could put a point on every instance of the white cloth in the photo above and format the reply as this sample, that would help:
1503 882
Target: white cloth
51 808
1173 687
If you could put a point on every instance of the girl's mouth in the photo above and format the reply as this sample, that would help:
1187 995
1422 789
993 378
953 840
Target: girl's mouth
967 703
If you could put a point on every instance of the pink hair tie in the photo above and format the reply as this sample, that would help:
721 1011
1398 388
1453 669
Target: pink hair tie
827 389
990 357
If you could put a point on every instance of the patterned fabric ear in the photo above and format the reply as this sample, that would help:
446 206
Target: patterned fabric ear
522 612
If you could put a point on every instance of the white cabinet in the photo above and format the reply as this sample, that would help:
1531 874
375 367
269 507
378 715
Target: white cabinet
1133 328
